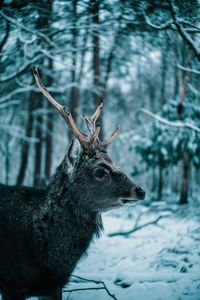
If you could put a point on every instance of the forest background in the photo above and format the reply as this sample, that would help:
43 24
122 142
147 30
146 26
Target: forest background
132 54
142 58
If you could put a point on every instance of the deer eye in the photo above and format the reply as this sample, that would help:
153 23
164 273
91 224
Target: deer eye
100 173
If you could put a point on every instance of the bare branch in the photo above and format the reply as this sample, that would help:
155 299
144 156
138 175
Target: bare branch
182 32
18 132
84 289
158 27
97 282
21 69
5 37
188 70
13 93
6 104
138 227
194 90
189 24
27 29
170 25
171 123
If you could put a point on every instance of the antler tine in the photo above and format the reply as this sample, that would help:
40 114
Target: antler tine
88 123
91 121
63 110
44 90
111 138
97 112
95 135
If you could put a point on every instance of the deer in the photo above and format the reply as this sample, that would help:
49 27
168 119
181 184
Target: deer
45 231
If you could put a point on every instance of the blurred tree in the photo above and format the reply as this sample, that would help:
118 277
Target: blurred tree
162 146
131 54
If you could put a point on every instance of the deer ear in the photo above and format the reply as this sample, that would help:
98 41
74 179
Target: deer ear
73 151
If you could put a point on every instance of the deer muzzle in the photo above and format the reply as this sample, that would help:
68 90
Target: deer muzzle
136 194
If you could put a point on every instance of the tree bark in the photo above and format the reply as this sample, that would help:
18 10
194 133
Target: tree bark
97 93
154 180
38 179
186 156
164 62
185 179
26 144
160 181
3 42
74 95
49 130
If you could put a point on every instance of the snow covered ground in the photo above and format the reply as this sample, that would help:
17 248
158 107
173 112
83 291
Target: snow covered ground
160 261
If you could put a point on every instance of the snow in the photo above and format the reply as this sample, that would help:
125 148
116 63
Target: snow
156 262
170 123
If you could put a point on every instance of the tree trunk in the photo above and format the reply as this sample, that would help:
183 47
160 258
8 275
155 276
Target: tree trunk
154 180
26 144
49 130
7 159
197 175
186 178
186 156
183 89
38 177
160 181
74 95
3 42
97 96
164 61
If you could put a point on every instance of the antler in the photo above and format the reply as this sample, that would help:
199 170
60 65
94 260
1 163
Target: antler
86 142
91 121
91 125
111 138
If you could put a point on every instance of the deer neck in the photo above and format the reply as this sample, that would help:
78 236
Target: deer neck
63 228
61 206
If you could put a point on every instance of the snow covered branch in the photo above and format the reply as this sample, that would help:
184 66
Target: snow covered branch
170 25
21 69
188 70
18 132
3 42
180 25
91 288
136 228
182 32
158 27
171 123
27 29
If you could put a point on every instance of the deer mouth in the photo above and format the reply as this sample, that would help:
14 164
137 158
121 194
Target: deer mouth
128 201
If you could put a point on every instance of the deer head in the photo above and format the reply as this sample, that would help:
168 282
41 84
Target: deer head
93 177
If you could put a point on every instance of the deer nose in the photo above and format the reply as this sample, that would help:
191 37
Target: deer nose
140 193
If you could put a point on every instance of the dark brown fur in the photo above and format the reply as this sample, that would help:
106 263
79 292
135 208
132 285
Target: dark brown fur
44 232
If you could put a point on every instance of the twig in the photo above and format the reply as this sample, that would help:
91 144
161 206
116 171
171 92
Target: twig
182 32
97 282
27 29
5 37
138 219
171 123
138 227
83 289
188 70
68 296
163 26
21 69
170 25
